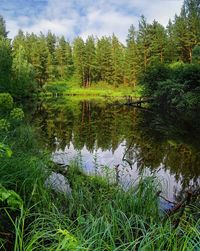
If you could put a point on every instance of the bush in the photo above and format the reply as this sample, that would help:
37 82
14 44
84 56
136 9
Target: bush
176 85
192 99
188 75
196 54
6 101
169 93
17 114
4 125
154 74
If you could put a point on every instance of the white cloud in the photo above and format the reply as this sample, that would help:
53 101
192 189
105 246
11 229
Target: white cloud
12 27
162 10
60 27
101 23
86 17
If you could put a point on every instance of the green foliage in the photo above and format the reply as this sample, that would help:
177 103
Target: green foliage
4 125
17 114
3 32
104 60
189 76
176 85
117 61
38 59
12 198
131 58
152 76
6 101
118 220
23 83
5 64
5 151
91 61
196 54
69 242
79 56
192 99
63 59
186 29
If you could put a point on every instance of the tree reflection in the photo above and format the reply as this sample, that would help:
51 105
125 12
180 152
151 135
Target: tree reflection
151 138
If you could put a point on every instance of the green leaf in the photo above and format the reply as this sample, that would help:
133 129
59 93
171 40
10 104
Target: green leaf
12 198
5 151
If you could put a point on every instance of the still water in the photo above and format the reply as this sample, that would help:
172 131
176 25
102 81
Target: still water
122 141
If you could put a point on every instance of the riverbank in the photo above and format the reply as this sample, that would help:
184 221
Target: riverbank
101 89
96 215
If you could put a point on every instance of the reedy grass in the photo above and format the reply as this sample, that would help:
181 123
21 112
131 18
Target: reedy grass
98 216
113 230
120 223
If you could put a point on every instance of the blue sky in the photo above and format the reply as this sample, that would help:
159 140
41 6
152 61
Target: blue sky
84 17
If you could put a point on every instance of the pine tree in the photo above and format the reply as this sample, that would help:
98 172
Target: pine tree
104 60
187 29
51 68
144 42
61 58
117 61
38 56
3 31
5 64
69 60
172 54
192 9
91 60
5 58
158 38
23 82
51 42
196 54
131 57
79 57
19 40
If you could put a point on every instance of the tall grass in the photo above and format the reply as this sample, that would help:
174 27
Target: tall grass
101 216
97 216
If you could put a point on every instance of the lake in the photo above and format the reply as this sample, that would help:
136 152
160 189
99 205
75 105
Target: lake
123 142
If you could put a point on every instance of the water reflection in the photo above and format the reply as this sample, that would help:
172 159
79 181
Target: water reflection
126 139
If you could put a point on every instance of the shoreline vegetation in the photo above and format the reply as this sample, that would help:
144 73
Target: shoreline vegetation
162 63
96 90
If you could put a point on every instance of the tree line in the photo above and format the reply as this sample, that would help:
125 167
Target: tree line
29 61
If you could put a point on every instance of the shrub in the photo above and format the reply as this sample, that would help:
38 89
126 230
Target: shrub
6 101
17 114
168 93
196 54
4 125
154 74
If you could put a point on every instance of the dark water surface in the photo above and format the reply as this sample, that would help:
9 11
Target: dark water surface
122 141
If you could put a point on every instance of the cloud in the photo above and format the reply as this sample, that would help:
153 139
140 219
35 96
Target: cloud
84 17
162 10
101 23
